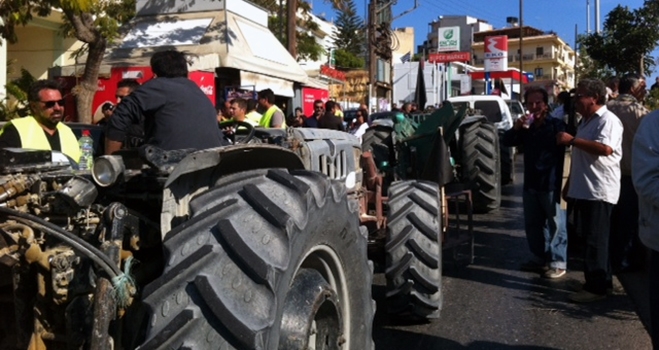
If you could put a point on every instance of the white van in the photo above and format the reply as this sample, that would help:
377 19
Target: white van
494 108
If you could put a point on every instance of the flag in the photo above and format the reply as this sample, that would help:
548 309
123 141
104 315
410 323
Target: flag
420 91
406 57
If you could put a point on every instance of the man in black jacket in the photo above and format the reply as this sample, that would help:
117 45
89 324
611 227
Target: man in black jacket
329 120
177 114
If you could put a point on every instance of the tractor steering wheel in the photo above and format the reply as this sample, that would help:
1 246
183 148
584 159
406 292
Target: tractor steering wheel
234 125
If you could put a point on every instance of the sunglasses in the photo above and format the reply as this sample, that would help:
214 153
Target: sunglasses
318 107
51 104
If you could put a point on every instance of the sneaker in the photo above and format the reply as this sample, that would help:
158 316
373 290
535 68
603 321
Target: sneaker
554 273
585 296
532 266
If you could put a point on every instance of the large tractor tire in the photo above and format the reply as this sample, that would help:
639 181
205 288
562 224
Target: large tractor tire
507 155
480 164
268 260
379 140
414 250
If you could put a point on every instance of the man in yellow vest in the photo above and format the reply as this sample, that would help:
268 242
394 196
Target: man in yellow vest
42 130
273 117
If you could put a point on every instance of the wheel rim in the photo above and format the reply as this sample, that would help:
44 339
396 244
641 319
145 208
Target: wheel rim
316 308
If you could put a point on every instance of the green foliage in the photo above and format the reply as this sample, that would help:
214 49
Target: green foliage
15 104
350 34
627 39
587 68
307 47
652 100
347 60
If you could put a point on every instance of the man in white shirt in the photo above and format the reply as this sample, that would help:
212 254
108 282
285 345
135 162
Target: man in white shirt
594 183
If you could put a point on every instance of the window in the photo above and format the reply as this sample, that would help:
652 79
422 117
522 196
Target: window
539 51
490 109
538 72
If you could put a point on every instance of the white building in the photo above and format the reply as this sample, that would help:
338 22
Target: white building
436 78
468 26
324 37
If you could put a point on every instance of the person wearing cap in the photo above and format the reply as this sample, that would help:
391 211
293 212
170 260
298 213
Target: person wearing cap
43 130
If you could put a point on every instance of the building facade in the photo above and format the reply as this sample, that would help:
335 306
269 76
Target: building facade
546 55
404 43
468 27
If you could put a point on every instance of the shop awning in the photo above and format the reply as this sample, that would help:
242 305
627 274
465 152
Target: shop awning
212 39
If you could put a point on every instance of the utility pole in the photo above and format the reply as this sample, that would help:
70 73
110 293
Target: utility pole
597 16
588 16
291 30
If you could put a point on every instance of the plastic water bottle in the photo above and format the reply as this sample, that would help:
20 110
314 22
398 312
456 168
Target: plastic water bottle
86 151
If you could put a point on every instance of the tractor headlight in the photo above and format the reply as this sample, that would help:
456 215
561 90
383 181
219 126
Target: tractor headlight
107 170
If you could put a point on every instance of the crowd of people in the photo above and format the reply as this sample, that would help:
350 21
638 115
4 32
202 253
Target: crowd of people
611 196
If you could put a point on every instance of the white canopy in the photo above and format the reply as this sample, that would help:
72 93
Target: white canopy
212 39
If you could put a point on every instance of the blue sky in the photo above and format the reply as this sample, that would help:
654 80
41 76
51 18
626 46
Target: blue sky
557 15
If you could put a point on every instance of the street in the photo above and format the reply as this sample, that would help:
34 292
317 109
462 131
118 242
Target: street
491 304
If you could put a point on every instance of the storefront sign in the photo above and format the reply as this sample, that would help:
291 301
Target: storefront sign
309 95
449 57
496 53
332 73
448 39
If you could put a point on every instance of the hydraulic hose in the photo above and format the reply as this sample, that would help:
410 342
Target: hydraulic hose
75 242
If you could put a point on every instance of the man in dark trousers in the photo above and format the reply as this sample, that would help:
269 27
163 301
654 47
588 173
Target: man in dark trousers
594 183
329 119
177 114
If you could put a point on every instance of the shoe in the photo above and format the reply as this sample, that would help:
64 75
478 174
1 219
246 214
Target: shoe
585 296
532 266
554 273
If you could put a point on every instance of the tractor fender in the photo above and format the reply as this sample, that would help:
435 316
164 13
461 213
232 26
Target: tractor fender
472 119
201 170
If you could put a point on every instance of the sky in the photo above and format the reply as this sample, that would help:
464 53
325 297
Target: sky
559 16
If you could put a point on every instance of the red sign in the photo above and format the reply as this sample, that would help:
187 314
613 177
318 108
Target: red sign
496 53
309 95
496 46
442 57
332 73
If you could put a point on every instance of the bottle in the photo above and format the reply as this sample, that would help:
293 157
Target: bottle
529 120
86 151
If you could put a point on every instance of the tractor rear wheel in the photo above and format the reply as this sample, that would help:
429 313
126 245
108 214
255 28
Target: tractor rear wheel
268 259
480 164
414 250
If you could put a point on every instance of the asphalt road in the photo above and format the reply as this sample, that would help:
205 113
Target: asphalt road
491 304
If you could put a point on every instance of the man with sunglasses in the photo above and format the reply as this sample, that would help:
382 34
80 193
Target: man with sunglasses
42 130
318 110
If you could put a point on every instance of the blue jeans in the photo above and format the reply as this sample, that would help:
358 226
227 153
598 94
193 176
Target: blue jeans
544 223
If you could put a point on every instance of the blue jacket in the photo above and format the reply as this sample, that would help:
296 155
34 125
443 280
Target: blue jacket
645 175
543 158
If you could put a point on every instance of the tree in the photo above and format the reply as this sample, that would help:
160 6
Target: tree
94 22
350 35
346 60
627 39
588 68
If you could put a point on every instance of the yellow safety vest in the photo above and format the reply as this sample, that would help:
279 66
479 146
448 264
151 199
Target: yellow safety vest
253 117
33 137
339 114
267 116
